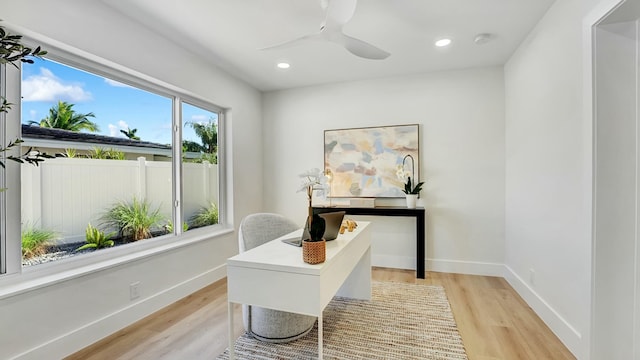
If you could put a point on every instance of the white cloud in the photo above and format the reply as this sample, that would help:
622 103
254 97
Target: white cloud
114 130
116 83
200 119
48 87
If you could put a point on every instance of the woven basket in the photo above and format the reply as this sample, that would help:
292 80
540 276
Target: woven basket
314 252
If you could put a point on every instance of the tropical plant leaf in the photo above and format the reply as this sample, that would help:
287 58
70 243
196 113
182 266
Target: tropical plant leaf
87 246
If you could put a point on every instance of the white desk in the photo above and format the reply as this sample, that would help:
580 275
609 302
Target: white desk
274 276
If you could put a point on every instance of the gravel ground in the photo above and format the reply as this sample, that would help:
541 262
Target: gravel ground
62 251
56 252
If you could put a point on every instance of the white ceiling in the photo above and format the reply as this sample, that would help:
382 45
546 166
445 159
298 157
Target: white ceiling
229 33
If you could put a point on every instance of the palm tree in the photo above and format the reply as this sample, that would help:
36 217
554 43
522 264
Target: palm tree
191 146
208 134
62 116
131 134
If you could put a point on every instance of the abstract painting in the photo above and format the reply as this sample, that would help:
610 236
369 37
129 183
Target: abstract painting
371 162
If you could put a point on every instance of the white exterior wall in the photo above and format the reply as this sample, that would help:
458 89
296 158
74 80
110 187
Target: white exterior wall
56 318
461 120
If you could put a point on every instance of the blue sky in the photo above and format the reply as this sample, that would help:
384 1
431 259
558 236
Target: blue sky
116 106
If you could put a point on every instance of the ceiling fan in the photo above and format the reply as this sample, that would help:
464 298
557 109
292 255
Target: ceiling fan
338 13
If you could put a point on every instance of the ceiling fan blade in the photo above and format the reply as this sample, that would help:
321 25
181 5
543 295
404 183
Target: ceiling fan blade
359 48
294 42
339 12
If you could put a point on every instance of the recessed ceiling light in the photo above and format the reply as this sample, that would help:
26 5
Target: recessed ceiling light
443 42
283 65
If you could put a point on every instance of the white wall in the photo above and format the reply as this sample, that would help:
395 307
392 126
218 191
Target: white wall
548 174
58 319
616 257
461 117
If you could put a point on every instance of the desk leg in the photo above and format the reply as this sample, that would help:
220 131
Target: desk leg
320 336
420 247
232 340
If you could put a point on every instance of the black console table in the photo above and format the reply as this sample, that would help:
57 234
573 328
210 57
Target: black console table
418 213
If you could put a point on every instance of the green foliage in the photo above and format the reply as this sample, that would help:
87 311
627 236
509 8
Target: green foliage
169 226
111 154
409 190
133 220
208 134
70 153
210 158
12 51
205 217
62 116
131 134
96 239
36 241
318 225
191 146
31 156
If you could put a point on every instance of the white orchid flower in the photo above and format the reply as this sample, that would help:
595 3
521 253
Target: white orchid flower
400 172
314 179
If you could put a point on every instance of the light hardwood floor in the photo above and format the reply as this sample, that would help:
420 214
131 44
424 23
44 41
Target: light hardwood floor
494 322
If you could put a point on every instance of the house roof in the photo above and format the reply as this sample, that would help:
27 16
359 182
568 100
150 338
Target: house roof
58 138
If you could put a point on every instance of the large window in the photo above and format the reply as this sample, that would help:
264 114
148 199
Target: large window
118 177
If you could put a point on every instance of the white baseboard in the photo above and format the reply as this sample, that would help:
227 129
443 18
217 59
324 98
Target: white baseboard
90 333
571 338
439 265
394 262
465 267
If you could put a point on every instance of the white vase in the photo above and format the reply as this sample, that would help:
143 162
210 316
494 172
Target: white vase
411 200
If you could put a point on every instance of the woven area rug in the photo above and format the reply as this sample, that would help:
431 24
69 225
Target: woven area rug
402 321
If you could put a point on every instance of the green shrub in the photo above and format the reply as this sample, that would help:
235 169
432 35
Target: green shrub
36 241
133 220
96 239
205 217
70 153
100 153
169 226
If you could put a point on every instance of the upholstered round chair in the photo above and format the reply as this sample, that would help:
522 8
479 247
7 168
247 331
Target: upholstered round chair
267 324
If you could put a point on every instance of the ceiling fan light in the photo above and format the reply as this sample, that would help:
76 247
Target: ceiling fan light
484 38
283 65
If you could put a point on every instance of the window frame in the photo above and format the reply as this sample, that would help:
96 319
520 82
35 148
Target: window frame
25 278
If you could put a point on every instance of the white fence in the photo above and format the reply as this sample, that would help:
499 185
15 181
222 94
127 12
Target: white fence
65 195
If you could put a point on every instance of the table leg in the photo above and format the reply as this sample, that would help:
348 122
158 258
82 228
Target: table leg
232 340
320 336
420 246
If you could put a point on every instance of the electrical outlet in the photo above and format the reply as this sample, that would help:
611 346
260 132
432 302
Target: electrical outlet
134 290
532 277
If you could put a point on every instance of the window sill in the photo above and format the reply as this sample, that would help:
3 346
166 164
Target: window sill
40 276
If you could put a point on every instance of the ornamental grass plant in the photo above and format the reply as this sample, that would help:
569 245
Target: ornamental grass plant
134 220
205 217
36 241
